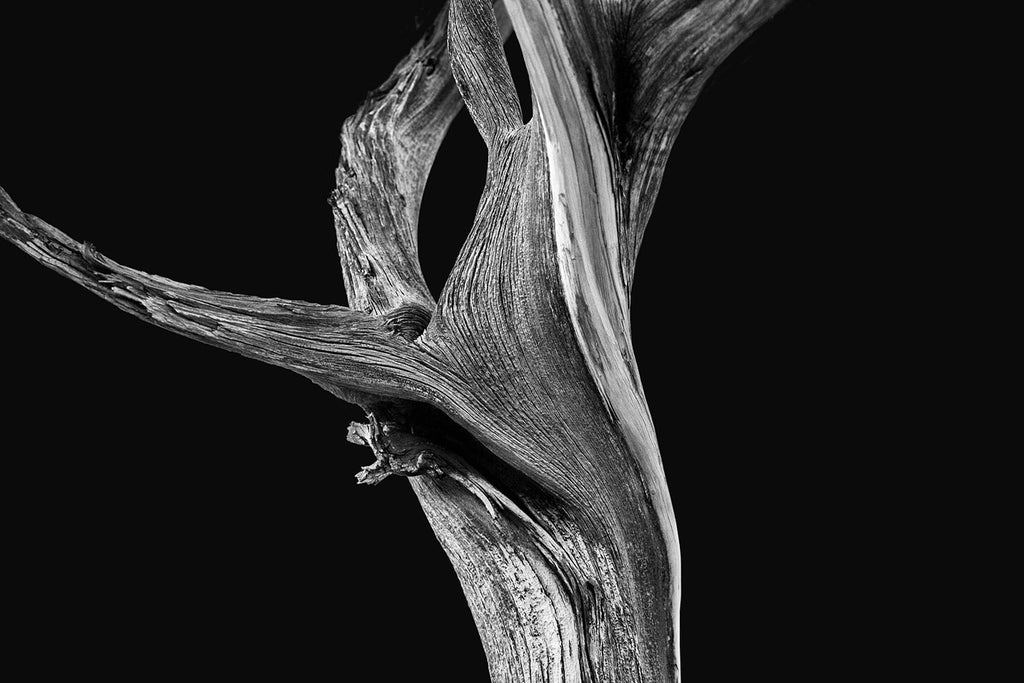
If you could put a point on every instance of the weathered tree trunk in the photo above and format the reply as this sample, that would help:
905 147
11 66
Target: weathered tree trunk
513 402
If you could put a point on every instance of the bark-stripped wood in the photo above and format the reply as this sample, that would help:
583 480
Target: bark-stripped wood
513 404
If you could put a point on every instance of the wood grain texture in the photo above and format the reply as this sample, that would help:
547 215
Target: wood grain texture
387 148
513 403
332 345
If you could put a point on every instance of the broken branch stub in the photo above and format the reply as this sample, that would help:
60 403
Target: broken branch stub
396 451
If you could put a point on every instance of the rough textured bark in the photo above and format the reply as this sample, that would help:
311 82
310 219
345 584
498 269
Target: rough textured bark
513 402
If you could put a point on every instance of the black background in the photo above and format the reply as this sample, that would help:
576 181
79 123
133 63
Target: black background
172 507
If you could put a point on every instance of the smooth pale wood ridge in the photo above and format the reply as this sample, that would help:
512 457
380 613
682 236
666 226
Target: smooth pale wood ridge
513 403
598 71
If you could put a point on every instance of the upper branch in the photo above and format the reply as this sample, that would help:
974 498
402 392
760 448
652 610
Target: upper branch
387 149
670 50
614 82
480 68
335 346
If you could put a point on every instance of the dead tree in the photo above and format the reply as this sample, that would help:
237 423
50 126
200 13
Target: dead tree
513 402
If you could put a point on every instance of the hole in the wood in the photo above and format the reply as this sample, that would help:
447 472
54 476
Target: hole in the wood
517 65
450 199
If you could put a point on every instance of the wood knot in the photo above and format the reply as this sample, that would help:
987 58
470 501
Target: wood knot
408 320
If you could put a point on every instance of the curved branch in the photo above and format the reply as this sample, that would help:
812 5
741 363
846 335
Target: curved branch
333 345
615 82
387 149
672 49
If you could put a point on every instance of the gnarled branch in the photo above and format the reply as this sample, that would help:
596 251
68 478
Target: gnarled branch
333 345
387 149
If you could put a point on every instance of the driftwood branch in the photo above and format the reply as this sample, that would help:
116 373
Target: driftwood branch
333 345
387 149
513 403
